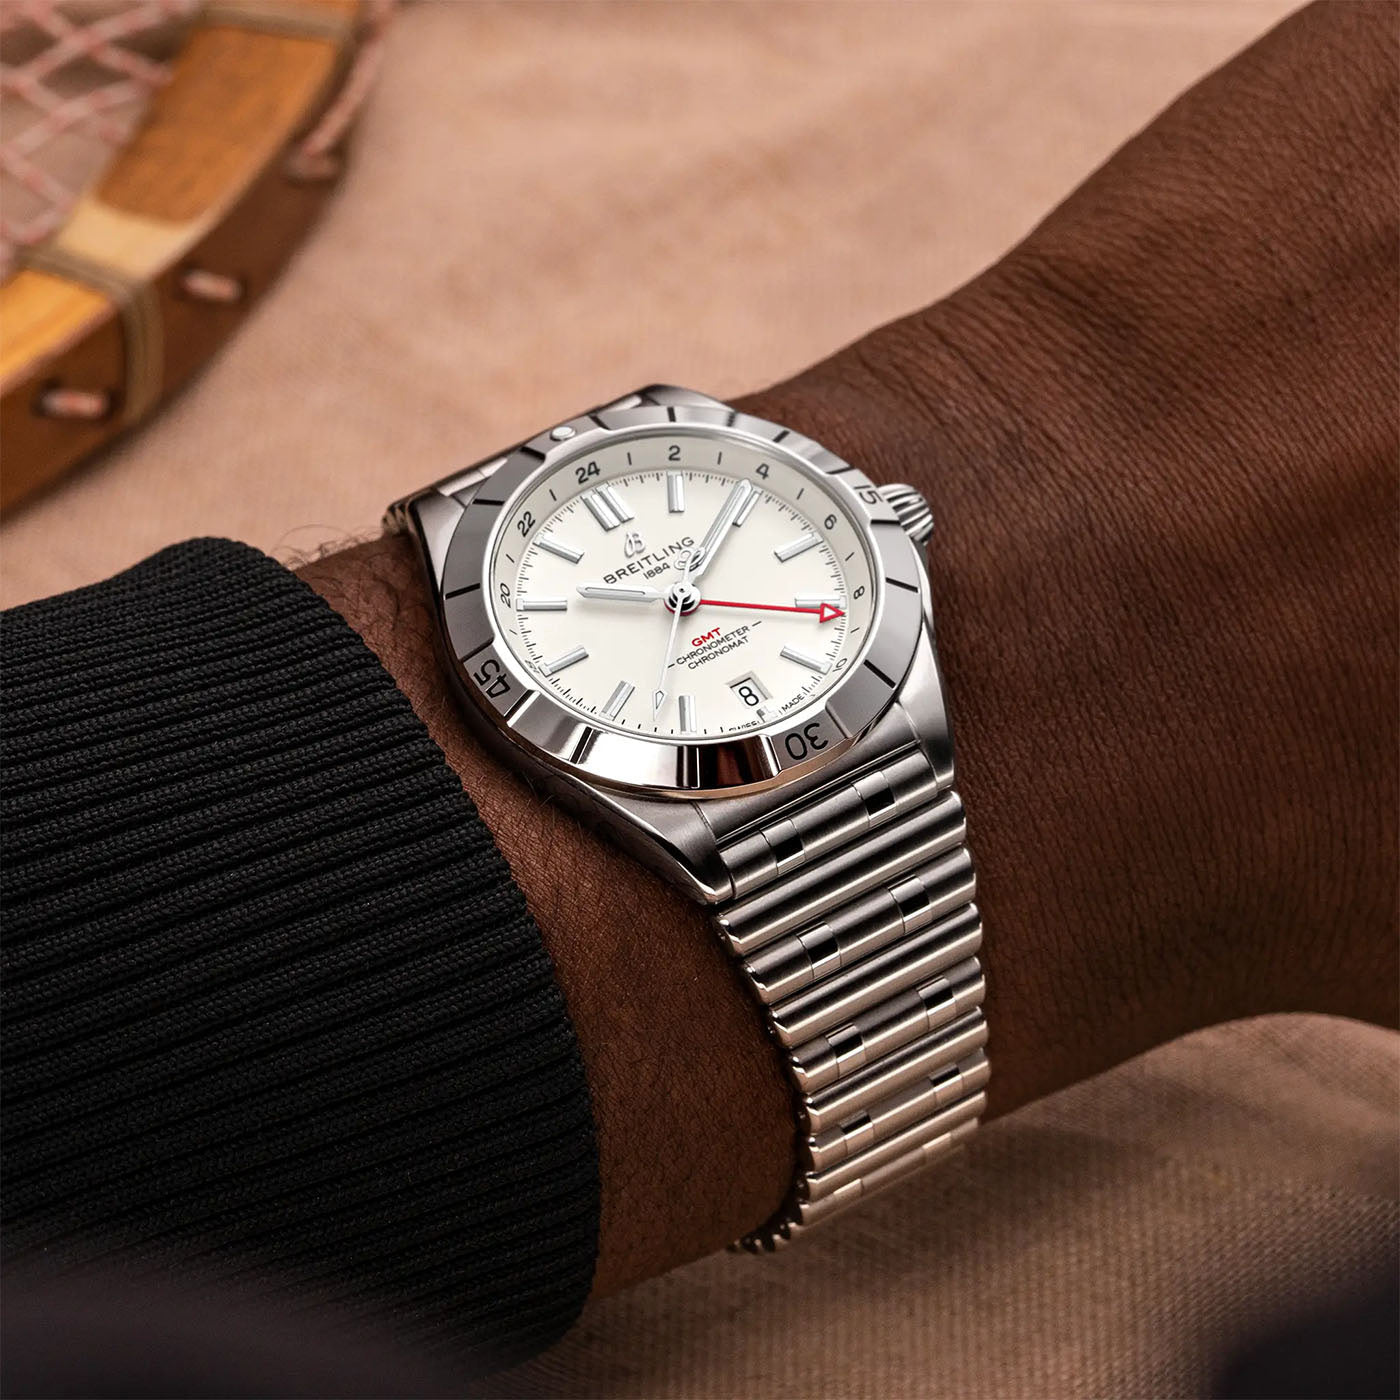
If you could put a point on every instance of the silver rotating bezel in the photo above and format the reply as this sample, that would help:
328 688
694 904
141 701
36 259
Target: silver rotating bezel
511 699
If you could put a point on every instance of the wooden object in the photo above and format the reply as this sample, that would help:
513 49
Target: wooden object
159 262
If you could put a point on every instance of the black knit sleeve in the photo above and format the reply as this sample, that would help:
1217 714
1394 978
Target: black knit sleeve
272 1003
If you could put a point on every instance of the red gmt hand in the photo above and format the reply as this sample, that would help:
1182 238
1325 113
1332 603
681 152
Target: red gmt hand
823 612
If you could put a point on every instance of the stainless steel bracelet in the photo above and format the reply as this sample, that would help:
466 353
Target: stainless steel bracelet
855 923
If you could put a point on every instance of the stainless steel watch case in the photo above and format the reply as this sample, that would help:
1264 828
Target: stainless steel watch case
668 801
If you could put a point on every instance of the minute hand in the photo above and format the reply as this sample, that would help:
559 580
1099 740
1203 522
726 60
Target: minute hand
733 503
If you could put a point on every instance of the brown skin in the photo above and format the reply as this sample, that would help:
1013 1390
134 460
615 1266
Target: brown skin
1160 438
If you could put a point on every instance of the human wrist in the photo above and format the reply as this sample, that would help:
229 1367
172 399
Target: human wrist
1153 596
640 968
692 1114
1161 748
1074 986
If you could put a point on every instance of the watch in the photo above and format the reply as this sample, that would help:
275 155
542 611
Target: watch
713 638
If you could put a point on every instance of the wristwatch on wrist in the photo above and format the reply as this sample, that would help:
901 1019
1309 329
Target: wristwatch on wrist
713 638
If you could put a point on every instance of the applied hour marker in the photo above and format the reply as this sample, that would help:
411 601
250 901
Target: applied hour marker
795 547
817 601
606 507
686 705
600 512
675 492
564 551
618 699
560 663
543 604
615 503
812 663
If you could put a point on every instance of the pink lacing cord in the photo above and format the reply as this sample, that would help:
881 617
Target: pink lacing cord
93 112
106 41
314 157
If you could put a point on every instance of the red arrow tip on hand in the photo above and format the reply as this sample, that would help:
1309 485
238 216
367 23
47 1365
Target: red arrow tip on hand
824 612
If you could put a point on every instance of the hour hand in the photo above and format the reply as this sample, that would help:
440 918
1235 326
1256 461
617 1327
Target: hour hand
618 594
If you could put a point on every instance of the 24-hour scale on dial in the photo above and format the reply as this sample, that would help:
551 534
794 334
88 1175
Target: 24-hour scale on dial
682 587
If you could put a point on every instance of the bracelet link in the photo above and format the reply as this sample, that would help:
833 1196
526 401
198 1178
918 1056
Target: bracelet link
855 923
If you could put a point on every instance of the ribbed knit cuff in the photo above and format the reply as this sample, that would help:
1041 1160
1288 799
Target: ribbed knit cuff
272 1002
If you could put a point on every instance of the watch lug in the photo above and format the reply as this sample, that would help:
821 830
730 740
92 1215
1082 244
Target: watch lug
923 700
459 487
432 520
668 396
432 514
668 835
464 485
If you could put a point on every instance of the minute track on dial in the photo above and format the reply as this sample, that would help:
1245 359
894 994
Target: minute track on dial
750 605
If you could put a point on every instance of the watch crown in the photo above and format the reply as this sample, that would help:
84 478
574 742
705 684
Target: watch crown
913 511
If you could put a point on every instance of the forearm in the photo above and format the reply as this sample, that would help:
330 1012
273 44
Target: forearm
1173 681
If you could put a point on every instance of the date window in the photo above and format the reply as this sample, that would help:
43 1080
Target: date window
750 690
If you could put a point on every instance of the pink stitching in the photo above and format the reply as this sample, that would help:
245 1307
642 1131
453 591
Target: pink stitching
109 112
105 113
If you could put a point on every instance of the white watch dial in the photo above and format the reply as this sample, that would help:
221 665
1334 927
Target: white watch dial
684 586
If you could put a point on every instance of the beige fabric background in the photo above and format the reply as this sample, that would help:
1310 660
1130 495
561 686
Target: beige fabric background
552 203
